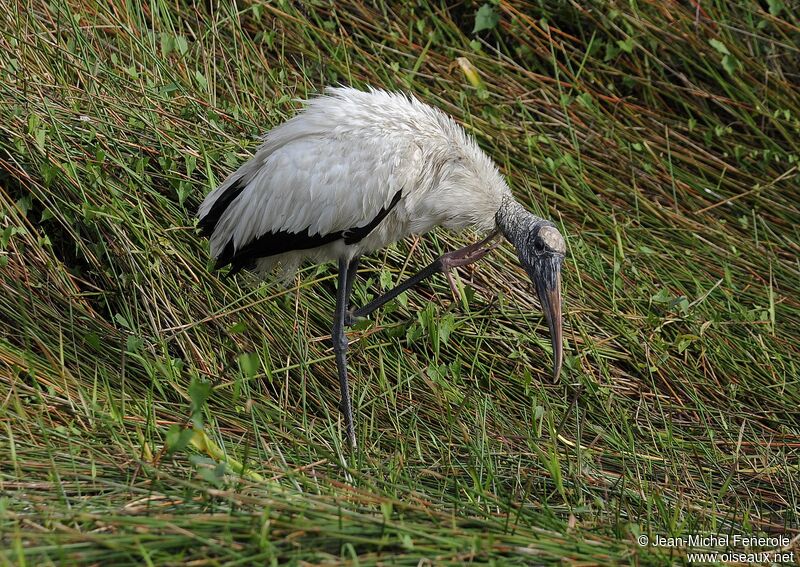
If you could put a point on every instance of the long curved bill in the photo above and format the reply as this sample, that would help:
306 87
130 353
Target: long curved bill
547 280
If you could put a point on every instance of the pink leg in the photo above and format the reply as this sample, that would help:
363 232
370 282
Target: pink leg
465 256
444 263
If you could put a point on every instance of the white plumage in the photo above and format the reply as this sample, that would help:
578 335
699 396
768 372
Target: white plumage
334 166
356 171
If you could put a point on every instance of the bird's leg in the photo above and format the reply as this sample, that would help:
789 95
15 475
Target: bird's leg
352 268
464 256
443 263
340 344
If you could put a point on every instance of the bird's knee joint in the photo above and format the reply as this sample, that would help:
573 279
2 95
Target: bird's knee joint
340 342
350 317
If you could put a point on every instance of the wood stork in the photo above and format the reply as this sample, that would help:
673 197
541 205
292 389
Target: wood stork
356 171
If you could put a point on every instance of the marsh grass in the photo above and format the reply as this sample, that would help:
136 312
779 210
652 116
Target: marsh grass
663 140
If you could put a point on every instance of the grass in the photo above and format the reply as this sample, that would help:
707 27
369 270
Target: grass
154 413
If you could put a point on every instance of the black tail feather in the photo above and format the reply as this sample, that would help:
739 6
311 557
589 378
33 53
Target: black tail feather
209 222
279 242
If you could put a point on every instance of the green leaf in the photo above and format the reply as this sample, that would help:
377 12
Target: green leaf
184 190
39 138
249 364
198 393
133 344
684 341
191 164
775 7
611 52
24 204
585 100
167 44
121 320
719 46
413 332
663 296
181 45
5 236
215 476
201 79
445 327
730 64
178 438
485 19
385 279
93 340
626 45
237 328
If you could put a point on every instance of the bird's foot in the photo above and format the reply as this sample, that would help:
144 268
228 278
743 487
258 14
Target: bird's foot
453 288
350 318
463 257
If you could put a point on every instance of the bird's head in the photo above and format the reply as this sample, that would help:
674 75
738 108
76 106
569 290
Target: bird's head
541 250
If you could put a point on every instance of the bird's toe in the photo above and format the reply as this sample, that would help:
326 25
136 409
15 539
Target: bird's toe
350 318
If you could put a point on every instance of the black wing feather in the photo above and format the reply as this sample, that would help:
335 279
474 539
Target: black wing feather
270 244
209 222
279 242
353 235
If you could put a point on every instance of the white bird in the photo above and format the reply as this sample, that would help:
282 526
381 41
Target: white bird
356 171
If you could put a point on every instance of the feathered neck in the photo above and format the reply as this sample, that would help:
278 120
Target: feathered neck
517 224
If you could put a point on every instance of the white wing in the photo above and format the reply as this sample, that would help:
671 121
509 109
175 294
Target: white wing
322 172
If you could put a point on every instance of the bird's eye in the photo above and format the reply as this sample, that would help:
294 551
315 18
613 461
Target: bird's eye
538 244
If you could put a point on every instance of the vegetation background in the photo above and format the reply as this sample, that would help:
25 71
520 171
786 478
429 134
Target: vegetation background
154 413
